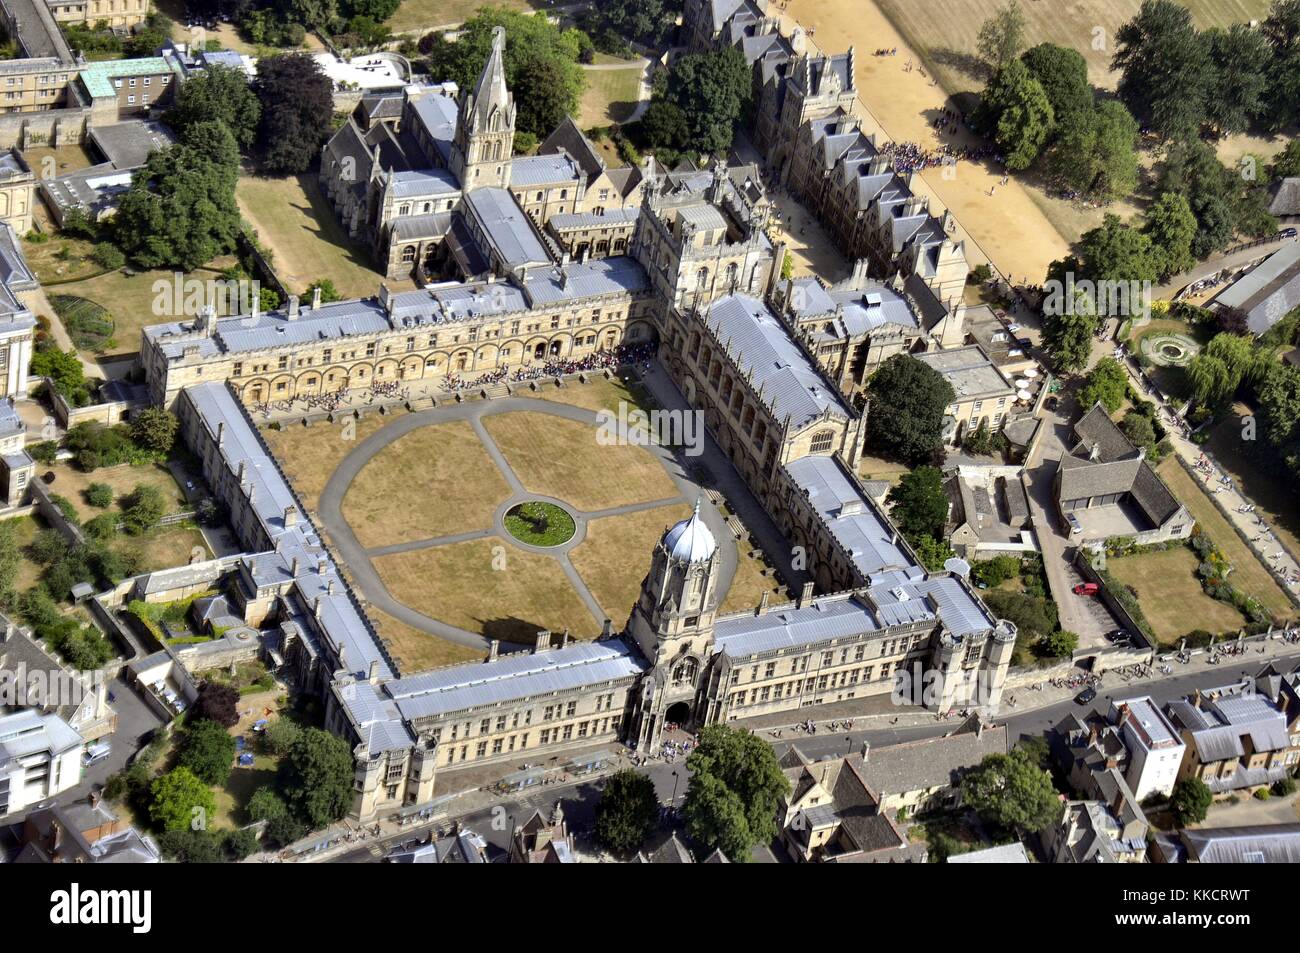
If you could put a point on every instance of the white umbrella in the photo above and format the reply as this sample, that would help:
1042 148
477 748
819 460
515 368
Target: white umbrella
1022 383
1031 373
1023 394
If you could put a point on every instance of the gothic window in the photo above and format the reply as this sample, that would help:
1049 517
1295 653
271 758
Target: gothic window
822 441
684 672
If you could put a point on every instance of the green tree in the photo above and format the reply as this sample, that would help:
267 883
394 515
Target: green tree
1106 383
144 508
217 702
207 749
1227 362
713 92
907 403
1060 644
1118 253
187 846
297 102
1096 153
1190 801
316 778
266 805
181 802
918 503
1241 57
239 844
1012 791
1166 69
281 735
328 293
154 428
647 21
1017 111
99 495
1063 74
541 63
180 210
217 93
932 553
1002 36
664 126
1139 430
1286 164
1069 319
1282 30
1279 413
65 371
627 812
735 788
1171 224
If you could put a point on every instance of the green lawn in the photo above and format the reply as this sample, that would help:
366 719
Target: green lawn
611 96
539 524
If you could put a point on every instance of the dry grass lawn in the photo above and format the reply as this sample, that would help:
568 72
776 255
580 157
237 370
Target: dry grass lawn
614 557
71 483
597 394
310 455
1271 492
417 651
945 32
1248 572
878 468
750 583
422 15
434 481
130 299
611 96
295 221
561 458
1171 596
459 585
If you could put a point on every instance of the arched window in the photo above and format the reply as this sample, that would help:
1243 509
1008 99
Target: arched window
684 672
408 254
822 441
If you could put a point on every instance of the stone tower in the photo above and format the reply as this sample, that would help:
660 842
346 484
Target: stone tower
485 126
672 624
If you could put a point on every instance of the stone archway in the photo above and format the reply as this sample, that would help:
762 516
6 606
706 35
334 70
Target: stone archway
678 713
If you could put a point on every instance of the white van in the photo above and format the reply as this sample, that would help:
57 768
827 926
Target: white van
96 753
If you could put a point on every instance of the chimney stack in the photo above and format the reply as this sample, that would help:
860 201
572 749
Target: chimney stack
374 671
805 597
493 647
762 604
293 307
315 298
865 751
290 516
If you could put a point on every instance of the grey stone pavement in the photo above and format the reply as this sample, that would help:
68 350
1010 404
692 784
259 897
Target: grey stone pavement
371 587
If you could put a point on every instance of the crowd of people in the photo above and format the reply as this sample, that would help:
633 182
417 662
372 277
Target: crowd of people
913 157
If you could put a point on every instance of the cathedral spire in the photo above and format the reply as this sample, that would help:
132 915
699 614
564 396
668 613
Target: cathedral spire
490 92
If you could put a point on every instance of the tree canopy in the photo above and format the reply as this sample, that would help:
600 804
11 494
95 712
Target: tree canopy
1018 114
207 749
908 400
297 101
316 777
180 801
180 210
1166 68
1011 790
627 812
1002 36
735 788
221 94
1106 383
541 62
712 91
919 505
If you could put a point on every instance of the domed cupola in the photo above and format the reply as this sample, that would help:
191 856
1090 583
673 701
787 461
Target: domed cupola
690 540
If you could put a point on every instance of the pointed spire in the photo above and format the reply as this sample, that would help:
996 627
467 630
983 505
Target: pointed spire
490 92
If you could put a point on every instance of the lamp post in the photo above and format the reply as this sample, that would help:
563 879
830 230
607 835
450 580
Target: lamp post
673 803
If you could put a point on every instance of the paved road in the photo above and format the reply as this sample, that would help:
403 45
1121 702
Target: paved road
1213 265
358 559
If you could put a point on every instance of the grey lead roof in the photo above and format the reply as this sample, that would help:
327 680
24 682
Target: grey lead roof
758 342
507 228
869 542
791 628
510 677
552 169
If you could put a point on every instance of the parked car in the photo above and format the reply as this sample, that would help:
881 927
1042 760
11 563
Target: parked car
1085 589
1287 233
96 753
1086 696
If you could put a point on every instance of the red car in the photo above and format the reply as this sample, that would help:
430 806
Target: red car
1085 589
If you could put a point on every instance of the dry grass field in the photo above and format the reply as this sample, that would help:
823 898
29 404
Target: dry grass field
1248 572
293 219
561 458
421 15
749 584
944 32
416 651
614 557
310 455
1171 596
611 96
72 483
597 394
434 481
458 585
